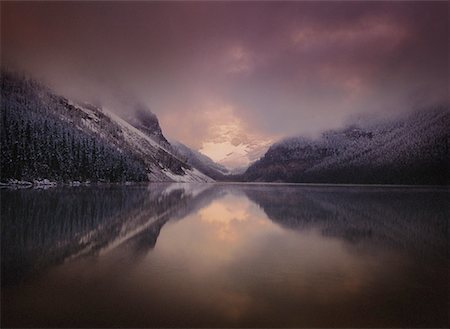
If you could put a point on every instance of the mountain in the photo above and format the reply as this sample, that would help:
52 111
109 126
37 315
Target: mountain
200 161
147 122
242 155
408 150
234 146
47 136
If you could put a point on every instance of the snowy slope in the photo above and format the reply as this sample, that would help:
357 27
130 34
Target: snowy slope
199 161
408 150
45 135
162 163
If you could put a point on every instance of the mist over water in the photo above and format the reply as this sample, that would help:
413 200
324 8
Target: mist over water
225 255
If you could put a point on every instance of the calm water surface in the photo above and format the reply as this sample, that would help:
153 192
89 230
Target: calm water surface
171 255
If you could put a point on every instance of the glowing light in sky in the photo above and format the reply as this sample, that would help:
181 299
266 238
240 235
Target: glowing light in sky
233 146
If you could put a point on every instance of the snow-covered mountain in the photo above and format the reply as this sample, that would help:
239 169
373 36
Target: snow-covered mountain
162 164
200 161
45 135
233 146
146 121
409 150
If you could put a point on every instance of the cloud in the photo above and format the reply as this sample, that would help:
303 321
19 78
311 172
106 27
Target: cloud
283 68
216 130
238 60
367 30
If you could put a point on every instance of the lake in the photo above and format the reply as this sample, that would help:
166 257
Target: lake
225 255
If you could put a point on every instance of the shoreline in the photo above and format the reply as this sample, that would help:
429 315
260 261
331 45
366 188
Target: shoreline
46 184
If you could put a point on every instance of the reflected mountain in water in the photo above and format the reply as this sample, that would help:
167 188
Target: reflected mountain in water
41 228
413 219
46 227
225 255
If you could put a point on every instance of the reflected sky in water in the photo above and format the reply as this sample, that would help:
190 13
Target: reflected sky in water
226 255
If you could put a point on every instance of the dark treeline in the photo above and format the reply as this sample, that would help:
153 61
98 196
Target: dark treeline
37 143
411 150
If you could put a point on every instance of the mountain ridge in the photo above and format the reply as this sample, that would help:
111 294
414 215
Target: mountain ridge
200 161
408 150
47 136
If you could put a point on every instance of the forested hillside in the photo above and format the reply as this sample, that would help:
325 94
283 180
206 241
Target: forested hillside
410 150
46 136
36 143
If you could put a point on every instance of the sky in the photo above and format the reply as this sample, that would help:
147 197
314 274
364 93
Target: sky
230 78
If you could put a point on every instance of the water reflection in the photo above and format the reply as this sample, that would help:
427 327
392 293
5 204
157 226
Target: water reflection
402 218
225 255
46 227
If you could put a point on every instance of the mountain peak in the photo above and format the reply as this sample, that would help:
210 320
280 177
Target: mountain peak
147 122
